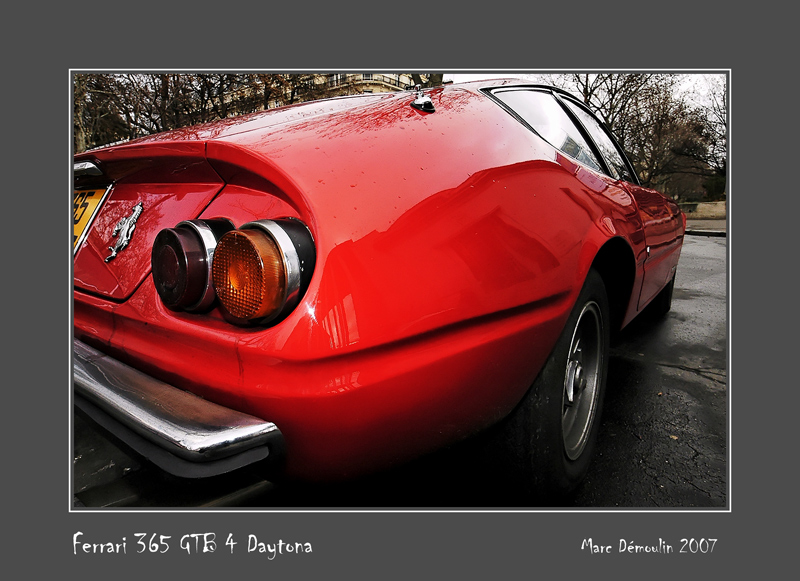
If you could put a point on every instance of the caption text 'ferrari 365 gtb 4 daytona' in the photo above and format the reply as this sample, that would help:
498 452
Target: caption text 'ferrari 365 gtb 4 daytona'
336 287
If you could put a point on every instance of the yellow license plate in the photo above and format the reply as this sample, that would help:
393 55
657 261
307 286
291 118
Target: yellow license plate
85 206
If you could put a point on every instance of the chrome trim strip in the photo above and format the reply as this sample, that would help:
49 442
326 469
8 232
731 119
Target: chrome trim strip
177 421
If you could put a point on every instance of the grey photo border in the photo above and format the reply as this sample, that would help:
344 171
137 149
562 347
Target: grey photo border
362 544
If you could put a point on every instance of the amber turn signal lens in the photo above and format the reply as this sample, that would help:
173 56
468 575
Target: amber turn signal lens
249 275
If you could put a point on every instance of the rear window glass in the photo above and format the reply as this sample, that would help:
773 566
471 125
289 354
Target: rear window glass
607 147
541 111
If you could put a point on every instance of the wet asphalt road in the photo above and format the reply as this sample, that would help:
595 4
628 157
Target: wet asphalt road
662 443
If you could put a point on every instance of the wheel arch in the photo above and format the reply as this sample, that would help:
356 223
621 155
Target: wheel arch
616 264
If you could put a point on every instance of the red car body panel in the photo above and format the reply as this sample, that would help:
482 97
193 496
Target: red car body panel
450 249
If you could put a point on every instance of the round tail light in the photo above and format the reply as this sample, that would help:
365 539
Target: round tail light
260 271
181 259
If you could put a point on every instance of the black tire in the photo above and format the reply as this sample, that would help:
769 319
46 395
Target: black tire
662 303
550 439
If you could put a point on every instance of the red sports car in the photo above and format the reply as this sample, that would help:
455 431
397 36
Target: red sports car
339 286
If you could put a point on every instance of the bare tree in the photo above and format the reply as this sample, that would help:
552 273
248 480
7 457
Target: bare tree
611 96
426 80
710 98
659 133
98 111
260 91
674 144
79 96
109 108
717 119
304 88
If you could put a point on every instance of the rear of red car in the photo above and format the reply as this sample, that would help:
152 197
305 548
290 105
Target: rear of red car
331 288
363 367
124 198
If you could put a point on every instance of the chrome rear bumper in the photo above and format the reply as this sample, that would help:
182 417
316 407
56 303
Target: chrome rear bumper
179 431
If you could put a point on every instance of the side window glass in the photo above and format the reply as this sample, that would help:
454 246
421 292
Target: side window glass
607 147
541 111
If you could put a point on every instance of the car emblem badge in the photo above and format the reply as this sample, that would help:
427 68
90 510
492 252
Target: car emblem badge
124 230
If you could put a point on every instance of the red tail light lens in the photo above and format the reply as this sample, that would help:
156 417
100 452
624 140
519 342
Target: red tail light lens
181 260
178 264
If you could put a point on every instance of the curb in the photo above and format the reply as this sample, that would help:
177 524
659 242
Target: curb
717 233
